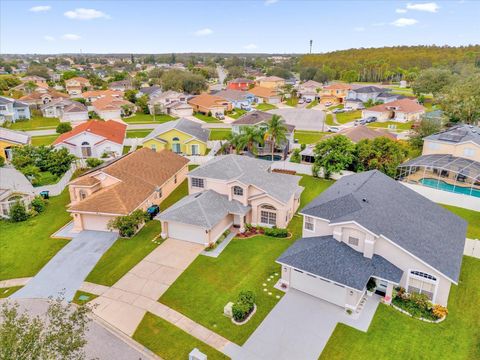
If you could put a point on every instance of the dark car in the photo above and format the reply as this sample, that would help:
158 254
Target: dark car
153 210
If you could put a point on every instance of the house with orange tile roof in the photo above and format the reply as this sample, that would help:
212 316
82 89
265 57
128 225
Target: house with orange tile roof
265 95
93 95
402 110
94 138
206 103
76 85
334 93
111 107
134 181
36 98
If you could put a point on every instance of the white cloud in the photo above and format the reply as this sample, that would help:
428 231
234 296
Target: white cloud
429 7
270 2
72 37
85 14
49 38
40 8
203 32
250 47
402 22
359 29
401 11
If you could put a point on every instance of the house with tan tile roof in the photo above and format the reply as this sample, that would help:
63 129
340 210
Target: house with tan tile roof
110 107
94 95
334 93
265 95
137 180
271 82
76 85
36 98
205 103
403 110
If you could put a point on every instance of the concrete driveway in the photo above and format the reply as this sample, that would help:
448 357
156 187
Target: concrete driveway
66 271
299 328
303 119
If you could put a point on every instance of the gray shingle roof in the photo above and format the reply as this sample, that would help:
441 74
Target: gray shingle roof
369 89
388 208
250 171
205 209
458 134
334 260
252 118
184 125
150 90
232 95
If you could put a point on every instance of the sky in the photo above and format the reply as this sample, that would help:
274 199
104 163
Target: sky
261 26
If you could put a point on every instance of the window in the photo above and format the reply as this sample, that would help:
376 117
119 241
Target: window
153 147
196 182
237 190
82 194
469 152
195 149
422 283
268 215
353 241
309 223
176 148
159 193
86 149
175 179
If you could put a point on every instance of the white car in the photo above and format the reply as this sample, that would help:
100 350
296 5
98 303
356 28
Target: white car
328 104
348 108
334 129
301 101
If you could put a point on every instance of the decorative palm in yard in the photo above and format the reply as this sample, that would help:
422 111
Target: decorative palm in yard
276 132
251 137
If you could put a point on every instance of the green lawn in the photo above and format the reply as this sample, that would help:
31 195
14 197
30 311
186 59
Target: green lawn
6 292
140 118
170 342
138 133
292 101
206 118
265 107
206 286
393 335
35 123
43 140
309 137
124 254
236 113
333 107
472 217
46 178
76 298
312 104
347 117
26 247
219 134
399 125
329 120
126 149
180 192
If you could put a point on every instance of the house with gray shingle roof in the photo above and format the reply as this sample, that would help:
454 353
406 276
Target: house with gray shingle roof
368 226
228 192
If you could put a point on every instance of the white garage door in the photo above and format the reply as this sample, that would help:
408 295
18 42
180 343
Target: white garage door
95 222
186 232
317 287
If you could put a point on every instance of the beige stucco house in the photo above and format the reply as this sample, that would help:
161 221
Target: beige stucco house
403 110
366 226
231 191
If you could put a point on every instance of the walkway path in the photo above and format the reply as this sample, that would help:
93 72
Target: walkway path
15 282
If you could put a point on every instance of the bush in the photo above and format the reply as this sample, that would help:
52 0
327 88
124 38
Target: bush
439 311
276 232
247 297
18 212
63 128
296 157
209 114
2 161
94 162
38 204
302 147
129 224
244 305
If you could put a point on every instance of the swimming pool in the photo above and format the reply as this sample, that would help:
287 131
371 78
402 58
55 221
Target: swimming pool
442 185
268 157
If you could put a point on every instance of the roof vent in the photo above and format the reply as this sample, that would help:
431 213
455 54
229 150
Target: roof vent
198 195
365 200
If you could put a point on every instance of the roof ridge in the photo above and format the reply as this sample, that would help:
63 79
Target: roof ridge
202 209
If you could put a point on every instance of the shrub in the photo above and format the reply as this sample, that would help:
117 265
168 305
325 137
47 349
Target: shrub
276 232
209 114
129 224
2 161
63 127
18 212
38 204
439 311
247 297
92 114
94 162
302 147
244 305
296 157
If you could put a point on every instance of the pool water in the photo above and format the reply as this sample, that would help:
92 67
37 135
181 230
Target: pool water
268 157
442 185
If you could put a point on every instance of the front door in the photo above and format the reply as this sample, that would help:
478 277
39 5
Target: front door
176 148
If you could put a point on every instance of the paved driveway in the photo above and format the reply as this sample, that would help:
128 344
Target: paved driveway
66 271
299 327
303 119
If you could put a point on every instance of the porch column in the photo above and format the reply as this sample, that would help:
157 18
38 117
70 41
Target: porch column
242 223
388 294
164 233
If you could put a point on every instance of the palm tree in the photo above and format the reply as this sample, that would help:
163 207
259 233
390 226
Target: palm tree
233 141
277 132
251 136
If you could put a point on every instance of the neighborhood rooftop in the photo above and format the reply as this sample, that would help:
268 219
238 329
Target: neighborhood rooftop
184 125
111 130
458 134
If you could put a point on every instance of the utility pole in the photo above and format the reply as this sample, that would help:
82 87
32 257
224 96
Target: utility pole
311 42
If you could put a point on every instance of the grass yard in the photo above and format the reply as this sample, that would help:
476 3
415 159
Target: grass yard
6 292
333 107
35 123
126 149
309 137
25 247
124 254
180 192
76 298
140 118
393 335
219 134
347 117
43 140
399 125
472 217
170 342
236 113
329 120
206 286
312 104
265 107
206 118
292 101
138 133
46 178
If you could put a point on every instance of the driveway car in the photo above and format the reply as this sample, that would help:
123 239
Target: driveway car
334 129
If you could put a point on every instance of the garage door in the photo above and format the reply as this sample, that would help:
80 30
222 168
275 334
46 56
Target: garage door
95 222
186 232
317 287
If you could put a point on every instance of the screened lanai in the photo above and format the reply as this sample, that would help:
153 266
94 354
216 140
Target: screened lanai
444 172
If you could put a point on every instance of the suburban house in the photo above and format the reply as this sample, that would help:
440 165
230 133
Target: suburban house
239 99
134 181
10 139
356 97
94 95
334 93
181 136
206 103
403 110
271 82
110 107
37 80
13 110
76 85
14 186
66 110
228 192
309 90
240 84
94 138
150 91
366 226
122 85
170 102
265 95
37 99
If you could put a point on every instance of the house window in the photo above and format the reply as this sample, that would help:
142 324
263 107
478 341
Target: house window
82 194
86 149
309 223
175 179
159 192
198 183
237 190
268 215
353 241
195 149
422 283
176 145
153 147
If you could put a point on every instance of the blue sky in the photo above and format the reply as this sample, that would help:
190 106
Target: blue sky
272 26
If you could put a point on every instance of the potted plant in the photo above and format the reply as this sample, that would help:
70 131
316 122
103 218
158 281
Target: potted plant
371 285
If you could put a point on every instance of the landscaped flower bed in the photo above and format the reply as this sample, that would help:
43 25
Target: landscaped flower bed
418 306
251 230
244 307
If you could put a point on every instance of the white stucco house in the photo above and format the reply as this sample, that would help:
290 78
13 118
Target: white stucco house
66 110
13 110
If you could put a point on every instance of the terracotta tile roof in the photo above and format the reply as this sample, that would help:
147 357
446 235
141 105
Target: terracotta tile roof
338 86
110 103
241 81
111 130
79 79
361 132
403 105
261 91
140 174
207 101
35 95
98 93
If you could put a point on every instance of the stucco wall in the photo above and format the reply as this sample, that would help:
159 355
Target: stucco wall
218 229
459 150
185 148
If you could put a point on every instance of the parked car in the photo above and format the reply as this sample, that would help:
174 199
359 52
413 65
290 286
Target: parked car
328 103
153 210
371 119
219 116
301 101
361 107
308 101
348 108
338 111
334 129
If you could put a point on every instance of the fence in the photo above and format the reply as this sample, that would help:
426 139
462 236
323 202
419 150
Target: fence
56 189
472 248
305 169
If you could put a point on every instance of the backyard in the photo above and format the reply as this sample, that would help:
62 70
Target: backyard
35 123
397 125
309 137
472 217
219 134
140 118
43 140
265 107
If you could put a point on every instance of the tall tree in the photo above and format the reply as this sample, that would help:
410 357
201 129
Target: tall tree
276 132
333 155
250 137
432 81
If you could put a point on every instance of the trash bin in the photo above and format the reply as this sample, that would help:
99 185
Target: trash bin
45 194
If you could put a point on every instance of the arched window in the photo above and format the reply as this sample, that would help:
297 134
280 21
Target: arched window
86 149
175 139
268 215
237 190
422 283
